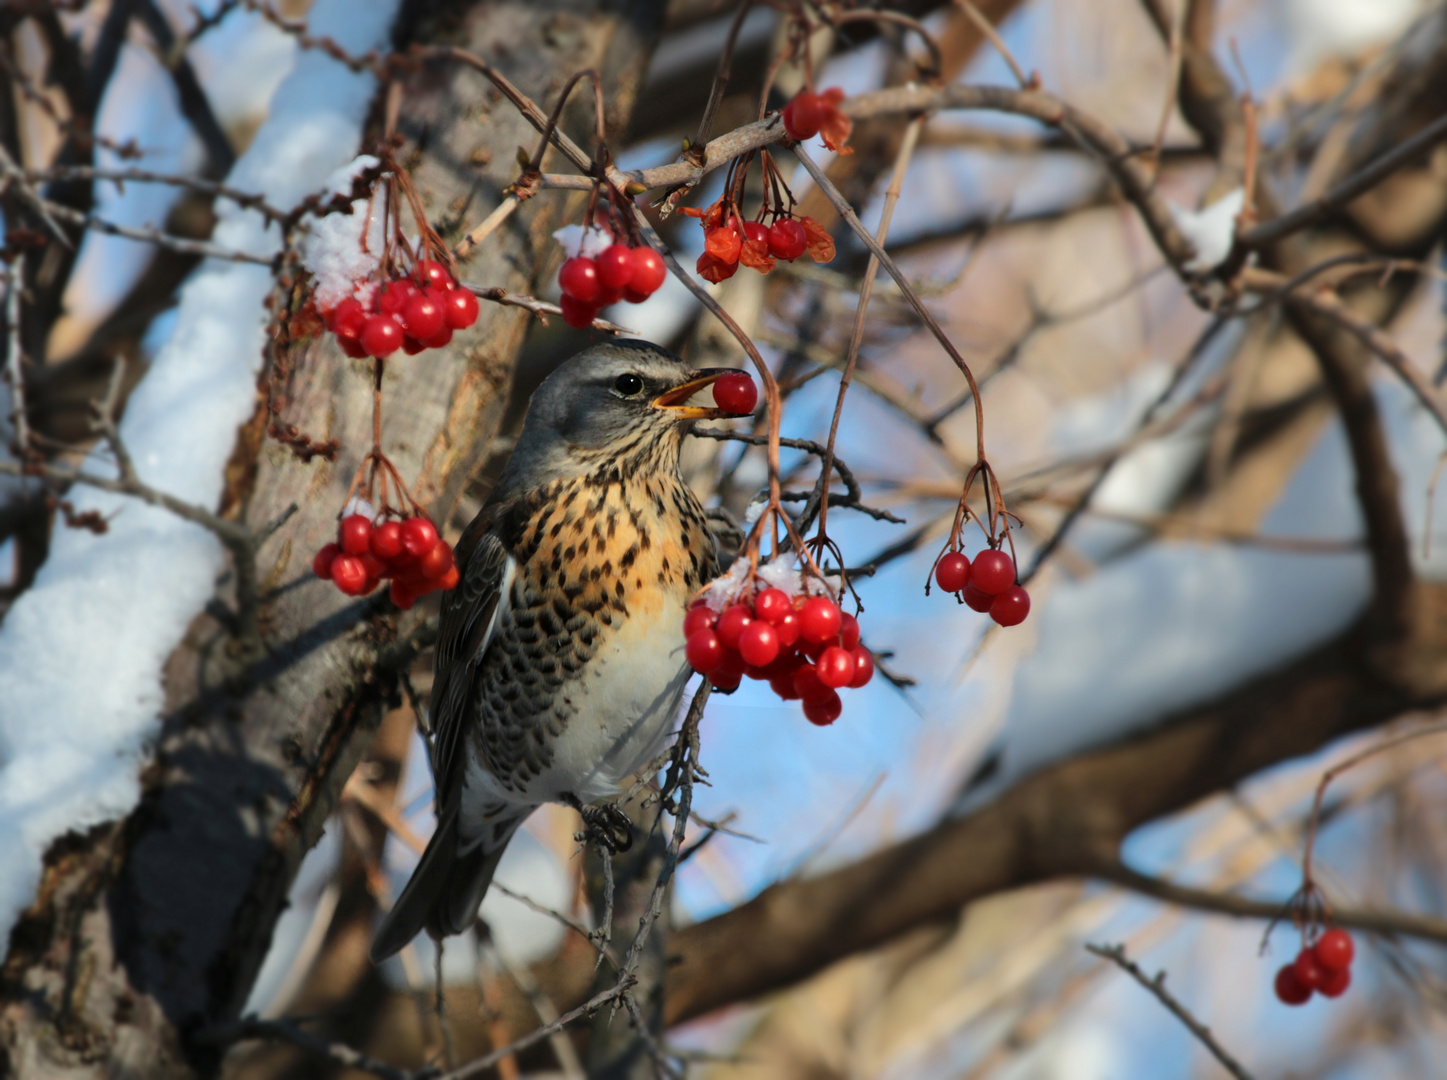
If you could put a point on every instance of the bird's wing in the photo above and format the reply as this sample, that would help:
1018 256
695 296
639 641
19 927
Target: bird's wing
470 616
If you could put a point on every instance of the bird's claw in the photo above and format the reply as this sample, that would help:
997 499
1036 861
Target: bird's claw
606 826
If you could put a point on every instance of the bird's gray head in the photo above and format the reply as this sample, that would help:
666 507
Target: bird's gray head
616 401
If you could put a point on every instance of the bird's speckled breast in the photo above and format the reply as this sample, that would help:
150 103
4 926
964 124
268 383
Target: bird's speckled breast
586 671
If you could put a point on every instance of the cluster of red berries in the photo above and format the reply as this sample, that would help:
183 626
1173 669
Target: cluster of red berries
753 243
986 585
409 552
803 646
618 272
1323 968
808 114
417 311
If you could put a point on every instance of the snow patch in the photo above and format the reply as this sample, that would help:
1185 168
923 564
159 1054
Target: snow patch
336 253
589 243
81 651
1211 230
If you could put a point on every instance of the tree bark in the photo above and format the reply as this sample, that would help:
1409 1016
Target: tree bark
149 932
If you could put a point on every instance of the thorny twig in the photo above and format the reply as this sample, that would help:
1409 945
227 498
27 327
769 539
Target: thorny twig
854 498
1157 986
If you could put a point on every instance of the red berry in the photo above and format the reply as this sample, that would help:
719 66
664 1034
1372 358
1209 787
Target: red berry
863 667
441 339
349 574
976 598
633 296
386 540
1289 988
437 561
953 571
1336 982
771 605
711 268
803 116
735 393
788 628
819 619
354 533
578 278
787 239
450 579
759 643
807 683
1011 606
418 536
704 650
392 297
835 667
757 231
729 673
322 561
608 297
577 313
699 618
430 272
1334 950
1309 973
824 709
615 266
374 566
402 595
411 346
993 571
382 336
353 348
649 271
783 685
731 624
848 630
422 317
459 308
349 318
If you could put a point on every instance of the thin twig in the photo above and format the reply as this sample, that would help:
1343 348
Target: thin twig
1369 177
1157 986
119 177
155 236
541 308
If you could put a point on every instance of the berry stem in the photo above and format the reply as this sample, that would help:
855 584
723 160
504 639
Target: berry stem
856 338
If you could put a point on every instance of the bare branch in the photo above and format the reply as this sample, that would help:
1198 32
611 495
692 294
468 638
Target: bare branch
1157 986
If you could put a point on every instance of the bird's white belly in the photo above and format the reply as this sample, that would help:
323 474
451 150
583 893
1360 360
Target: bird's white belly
627 699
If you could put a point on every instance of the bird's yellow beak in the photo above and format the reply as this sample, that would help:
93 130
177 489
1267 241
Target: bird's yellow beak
679 400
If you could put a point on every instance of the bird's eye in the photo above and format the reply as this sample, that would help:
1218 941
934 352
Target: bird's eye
628 385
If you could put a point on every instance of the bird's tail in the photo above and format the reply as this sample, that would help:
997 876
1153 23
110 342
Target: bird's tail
446 889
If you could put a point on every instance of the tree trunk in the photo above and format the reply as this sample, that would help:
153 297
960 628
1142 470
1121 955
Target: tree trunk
147 933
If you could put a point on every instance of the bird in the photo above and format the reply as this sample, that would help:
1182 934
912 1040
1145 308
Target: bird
559 667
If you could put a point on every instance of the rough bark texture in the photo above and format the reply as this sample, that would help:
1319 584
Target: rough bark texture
149 931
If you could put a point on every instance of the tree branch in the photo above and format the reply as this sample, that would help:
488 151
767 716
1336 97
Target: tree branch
1067 820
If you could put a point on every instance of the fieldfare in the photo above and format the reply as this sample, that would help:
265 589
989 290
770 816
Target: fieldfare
559 666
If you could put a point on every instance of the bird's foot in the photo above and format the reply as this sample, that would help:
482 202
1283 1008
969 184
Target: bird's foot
605 825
